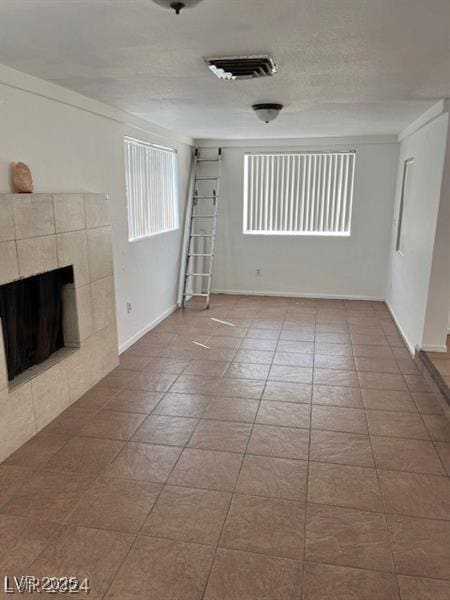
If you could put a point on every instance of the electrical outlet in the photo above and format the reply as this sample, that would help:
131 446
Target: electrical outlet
129 307
258 272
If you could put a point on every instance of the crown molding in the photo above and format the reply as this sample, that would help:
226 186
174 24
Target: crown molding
429 115
298 142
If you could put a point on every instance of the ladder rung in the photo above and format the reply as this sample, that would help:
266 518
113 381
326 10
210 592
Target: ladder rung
213 160
198 274
205 197
206 235
203 216
197 254
206 178
195 294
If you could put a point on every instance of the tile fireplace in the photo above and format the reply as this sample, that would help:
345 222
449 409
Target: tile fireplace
58 333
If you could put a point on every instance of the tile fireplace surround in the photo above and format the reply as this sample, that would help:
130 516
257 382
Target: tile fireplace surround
39 233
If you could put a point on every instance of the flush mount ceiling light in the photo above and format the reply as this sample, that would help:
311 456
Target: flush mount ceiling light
267 112
177 6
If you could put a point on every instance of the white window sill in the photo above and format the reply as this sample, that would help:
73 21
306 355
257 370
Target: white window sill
298 234
152 235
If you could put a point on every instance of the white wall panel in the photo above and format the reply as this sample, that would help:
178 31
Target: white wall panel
347 266
71 149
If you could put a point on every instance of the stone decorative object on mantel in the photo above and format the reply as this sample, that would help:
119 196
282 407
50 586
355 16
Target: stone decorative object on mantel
21 178
39 233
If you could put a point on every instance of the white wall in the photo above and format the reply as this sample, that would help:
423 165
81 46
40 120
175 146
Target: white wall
74 144
419 312
436 317
353 267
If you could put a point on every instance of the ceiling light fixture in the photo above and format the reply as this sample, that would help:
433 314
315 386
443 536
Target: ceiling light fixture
267 112
177 6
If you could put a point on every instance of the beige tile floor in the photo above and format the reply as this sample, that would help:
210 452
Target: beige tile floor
291 452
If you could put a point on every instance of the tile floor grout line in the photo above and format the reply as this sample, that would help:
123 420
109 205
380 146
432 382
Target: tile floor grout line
66 523
233 493
383 500
371 570
305 525
434 442
163 486
253 380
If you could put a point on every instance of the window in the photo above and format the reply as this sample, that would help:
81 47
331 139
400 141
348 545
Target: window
408 168
308 193
151 180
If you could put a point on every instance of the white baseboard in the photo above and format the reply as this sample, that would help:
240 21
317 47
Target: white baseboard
137 336
432 348
410 347
425 347
299 295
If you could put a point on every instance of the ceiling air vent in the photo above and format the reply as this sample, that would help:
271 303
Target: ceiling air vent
242 67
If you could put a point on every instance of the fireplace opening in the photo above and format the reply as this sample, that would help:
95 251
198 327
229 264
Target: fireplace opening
31 312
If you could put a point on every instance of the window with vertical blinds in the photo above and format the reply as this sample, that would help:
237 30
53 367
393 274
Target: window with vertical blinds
308 193
151 180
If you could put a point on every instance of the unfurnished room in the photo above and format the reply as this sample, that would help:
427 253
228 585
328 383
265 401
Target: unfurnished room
225 299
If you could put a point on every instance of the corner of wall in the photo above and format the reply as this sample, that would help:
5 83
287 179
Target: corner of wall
137 336
438 301
418 287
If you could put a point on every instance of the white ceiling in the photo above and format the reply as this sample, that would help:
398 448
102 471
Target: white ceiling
347 67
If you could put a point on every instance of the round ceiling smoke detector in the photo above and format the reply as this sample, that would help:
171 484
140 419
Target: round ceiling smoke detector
177 6
267 112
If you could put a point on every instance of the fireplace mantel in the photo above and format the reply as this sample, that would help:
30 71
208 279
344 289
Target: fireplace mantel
40 233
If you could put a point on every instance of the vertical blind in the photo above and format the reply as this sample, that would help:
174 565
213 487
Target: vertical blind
151 180
306 193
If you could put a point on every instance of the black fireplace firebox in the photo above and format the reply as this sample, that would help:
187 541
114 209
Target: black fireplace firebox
31 311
